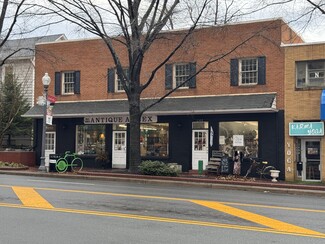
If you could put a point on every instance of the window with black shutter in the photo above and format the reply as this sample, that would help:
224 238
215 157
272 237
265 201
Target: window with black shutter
248 71
67 83
182 75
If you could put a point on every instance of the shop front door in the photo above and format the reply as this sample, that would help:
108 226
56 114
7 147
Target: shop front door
200 148
49 146
311 159
119 150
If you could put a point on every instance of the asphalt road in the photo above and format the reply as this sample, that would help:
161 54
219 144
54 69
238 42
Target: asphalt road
53 210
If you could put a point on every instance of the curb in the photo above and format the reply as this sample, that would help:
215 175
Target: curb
266 187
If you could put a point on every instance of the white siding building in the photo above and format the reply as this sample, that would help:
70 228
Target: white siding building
18 56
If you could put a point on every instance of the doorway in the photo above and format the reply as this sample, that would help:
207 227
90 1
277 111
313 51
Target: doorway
200 148
119 150
310 155
50 139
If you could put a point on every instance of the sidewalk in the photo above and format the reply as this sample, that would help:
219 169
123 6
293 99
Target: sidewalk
184 179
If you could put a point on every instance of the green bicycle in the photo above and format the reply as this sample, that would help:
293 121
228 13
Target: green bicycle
62 164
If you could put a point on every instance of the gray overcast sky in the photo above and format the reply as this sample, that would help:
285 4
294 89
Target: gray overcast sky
291 12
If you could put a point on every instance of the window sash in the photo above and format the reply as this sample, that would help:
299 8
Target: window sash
248 71
310 74
68 82
181 73
118 81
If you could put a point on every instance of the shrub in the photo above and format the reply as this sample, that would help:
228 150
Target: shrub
149 167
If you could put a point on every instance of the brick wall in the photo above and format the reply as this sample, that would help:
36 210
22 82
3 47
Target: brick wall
300 105
92 58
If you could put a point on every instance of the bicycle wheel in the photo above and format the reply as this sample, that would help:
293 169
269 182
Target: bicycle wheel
77 164
266 172
61 165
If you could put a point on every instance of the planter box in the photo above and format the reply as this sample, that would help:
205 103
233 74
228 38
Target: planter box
26 158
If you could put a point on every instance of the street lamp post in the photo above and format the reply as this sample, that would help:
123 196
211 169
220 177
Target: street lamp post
46 82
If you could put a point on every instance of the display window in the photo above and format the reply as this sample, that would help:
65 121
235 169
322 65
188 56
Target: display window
90 139
154 140
239 136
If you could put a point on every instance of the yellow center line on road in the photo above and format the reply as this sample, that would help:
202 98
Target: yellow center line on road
174 199
29 197
166 220
259 219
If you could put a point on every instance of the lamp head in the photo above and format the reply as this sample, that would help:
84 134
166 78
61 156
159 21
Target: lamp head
46 80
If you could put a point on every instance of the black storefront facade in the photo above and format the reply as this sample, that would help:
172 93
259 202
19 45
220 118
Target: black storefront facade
180 130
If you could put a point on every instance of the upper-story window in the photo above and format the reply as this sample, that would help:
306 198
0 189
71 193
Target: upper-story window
114 80
180 75
248 71
118 81
67 82
310 74
6 70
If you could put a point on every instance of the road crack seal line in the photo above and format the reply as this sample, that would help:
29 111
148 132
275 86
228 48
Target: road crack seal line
259 219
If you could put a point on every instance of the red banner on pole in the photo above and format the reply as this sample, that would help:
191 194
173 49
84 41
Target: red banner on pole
51 99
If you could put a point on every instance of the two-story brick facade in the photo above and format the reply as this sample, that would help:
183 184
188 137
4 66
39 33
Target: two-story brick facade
235 104
305 112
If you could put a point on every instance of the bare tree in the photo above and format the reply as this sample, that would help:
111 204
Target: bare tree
10 12
137 25
320 5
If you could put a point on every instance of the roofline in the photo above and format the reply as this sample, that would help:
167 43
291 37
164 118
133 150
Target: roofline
303 44
175 97
184 29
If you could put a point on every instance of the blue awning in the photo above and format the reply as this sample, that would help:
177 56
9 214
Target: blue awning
322 106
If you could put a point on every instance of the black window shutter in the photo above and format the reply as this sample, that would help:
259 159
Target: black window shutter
168 76
77 82
192 81
110 80
57 85
234 72
261 70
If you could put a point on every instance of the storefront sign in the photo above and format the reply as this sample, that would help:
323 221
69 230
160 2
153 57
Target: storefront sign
118 119
238 140
306 129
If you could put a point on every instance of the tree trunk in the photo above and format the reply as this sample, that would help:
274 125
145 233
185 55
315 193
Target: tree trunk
134 148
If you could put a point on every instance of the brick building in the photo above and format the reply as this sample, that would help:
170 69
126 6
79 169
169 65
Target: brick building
305 111
235 105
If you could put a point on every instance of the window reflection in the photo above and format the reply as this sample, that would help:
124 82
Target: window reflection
239 135
154 140
90 139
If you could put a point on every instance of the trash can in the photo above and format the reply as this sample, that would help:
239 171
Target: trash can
53 159
200 163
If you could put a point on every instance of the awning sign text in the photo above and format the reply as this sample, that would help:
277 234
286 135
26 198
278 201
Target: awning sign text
117 119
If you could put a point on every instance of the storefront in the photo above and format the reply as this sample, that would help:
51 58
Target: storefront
307 150
178 130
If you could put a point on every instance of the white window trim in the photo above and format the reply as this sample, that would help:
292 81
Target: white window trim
241 72
116 83
187 86
3 71
307 79
63 83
